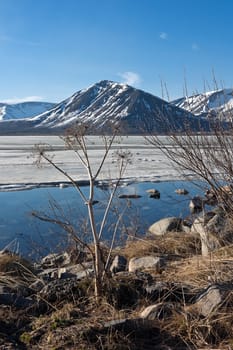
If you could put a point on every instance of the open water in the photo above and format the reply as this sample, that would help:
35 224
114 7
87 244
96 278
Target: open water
32 237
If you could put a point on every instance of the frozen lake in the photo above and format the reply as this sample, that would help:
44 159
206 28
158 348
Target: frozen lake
148 169
17 161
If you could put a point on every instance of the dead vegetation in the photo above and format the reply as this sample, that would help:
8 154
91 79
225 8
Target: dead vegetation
81 323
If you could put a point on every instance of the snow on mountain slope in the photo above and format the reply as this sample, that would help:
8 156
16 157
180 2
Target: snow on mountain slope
109 102
216 103
23 109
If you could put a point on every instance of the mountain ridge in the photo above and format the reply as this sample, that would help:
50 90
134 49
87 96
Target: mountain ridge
104 105
217 103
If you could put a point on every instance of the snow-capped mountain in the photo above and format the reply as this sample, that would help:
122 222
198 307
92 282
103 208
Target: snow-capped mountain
106 104
112 103
23 109
217 103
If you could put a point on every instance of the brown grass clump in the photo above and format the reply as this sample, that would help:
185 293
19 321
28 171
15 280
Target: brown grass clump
15 271
13 264
211 332
172 244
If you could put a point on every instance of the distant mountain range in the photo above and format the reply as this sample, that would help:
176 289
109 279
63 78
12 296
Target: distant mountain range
217 103
23 110
106 104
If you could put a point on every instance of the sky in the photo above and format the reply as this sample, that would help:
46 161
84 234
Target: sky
49 49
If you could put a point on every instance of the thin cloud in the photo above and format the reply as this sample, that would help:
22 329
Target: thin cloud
163 36
4 37
24 99
195 47
130 78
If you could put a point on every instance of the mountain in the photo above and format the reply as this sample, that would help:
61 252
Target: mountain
23 109
106 104
217 103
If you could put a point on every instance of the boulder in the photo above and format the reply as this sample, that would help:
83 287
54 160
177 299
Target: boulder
214 229
146 262
166 225
181 191
119 264
212 298
153 193
207 242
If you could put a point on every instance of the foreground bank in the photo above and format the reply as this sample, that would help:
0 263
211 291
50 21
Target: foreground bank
159 293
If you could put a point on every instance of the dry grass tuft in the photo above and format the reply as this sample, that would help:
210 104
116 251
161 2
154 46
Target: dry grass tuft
199 331
171 244
15 271
13 264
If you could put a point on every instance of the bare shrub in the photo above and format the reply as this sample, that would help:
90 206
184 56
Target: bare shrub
76 140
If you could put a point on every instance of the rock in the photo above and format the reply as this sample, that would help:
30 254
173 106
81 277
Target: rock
166 225
79 271
157 311
63 185
47 274
146 262
119 264
196 204
62 289
214 230
69 273
54 260
208 243
212 298
169 292
15 300
154 193
181 191
129 196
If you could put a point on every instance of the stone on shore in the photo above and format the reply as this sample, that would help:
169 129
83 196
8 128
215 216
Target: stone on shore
146 262
163 226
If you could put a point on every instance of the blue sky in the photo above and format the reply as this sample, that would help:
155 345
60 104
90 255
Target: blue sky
50 49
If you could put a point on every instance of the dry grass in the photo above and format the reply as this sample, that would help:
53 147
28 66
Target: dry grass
83 322
15 272
172 244
11 263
